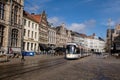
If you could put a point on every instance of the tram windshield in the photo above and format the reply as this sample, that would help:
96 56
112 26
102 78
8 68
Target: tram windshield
70 49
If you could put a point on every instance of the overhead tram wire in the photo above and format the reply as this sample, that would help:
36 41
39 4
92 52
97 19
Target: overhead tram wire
29 4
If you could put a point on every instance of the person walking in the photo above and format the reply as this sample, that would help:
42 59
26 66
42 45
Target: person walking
23 58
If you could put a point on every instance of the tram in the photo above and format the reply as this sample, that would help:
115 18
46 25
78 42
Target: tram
73 51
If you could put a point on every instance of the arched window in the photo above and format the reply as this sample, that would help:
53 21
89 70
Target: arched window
1 35
14 37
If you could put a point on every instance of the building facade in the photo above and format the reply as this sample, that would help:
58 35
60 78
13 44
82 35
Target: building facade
109 40
31 33
51 37
61 36
116 39
95 44
43 30
11 14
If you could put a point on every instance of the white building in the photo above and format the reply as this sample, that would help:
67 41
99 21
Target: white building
95 44
31 33
77 38
51 36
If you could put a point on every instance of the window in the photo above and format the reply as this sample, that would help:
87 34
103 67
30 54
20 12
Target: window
28 46
15 14
32 35
2 7
35 26
32 25
35 47
28 33
31 46
14 37
12 17
24 32
1 35
23 45
35 34
28 23
24 22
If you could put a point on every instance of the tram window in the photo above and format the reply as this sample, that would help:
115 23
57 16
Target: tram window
77 50
71 49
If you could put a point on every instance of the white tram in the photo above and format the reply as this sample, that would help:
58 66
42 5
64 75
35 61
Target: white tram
73 51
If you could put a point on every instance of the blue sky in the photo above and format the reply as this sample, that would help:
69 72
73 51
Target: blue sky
83 16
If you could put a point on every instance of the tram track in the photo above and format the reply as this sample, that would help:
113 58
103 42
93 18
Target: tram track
7 73
24 63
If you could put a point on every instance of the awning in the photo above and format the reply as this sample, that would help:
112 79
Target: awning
48 48
42 46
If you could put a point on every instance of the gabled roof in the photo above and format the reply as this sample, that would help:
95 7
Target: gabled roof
90 37
36 18
83 35
58 29
101 39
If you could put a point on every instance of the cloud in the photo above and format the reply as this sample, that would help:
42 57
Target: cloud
55 21
35 6
112 23
118 21
78 27
108 23
82 27
90 23
111 6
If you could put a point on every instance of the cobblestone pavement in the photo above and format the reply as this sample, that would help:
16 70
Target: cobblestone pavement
88 68
28 59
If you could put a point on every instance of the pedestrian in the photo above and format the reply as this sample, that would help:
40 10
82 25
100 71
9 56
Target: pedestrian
22 58
10 52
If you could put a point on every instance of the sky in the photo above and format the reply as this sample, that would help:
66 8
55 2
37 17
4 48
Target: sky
83 16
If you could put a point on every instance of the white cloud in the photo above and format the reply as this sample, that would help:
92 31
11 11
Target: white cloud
118 21
82 27
34 8
111 23
55 21
111 6
78 27
90 23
